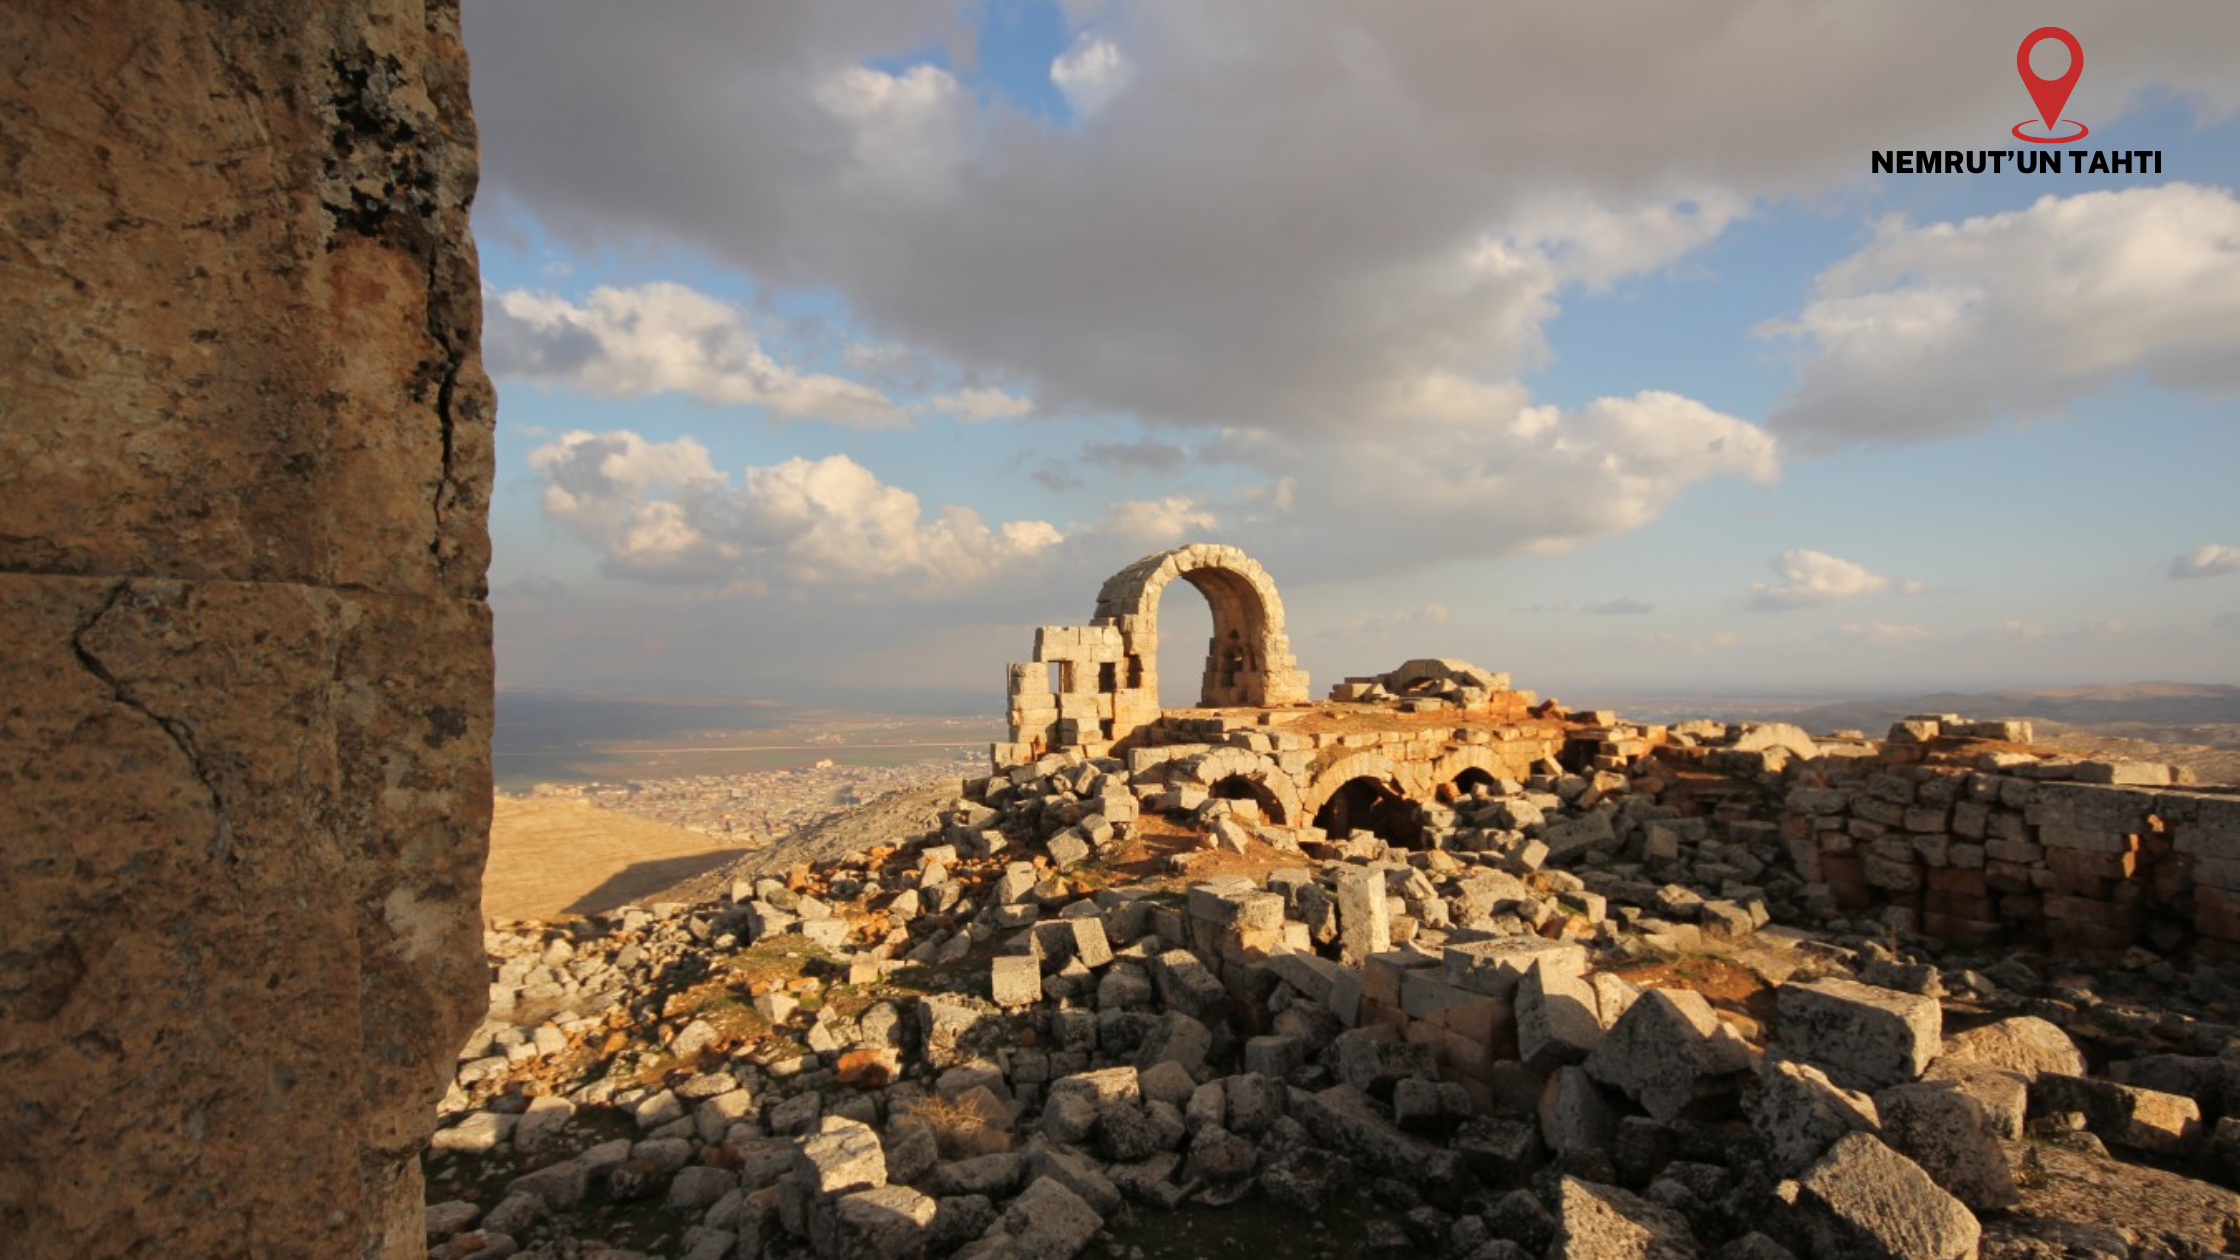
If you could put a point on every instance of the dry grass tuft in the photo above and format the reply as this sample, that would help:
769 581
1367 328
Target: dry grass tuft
974 1123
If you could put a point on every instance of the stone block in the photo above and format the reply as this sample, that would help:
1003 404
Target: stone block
1015 981
1384 975
1558 1017
1801 1113
1599 1222
2123 1115
1950 1132
1864 1199
1495 967
2084 839
1864 1037
1667 1050
1364 922
1575 1116
1244 907
841 1157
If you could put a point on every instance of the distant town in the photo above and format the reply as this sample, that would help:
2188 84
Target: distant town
757 807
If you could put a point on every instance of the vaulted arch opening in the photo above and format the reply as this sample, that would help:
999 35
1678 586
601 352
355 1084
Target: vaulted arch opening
1474 781
1238 787
1375 805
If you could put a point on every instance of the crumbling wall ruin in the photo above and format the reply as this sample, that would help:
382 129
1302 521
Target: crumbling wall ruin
245 707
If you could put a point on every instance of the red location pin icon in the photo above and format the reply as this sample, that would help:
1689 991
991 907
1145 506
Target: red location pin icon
2049 95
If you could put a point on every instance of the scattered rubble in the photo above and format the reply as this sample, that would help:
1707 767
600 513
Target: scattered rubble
1635 1000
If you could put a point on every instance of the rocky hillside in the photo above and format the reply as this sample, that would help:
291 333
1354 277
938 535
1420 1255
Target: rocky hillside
1606 1016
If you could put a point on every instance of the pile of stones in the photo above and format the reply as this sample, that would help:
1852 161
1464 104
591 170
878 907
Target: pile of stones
978 1043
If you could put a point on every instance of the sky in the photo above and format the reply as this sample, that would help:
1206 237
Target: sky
840 345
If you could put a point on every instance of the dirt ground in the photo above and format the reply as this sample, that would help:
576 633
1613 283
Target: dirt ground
551 858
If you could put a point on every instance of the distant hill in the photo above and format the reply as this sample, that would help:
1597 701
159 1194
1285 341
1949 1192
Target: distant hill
2138 704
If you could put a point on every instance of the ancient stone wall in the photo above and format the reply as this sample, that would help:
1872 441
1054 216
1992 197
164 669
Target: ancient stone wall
245 707
1958 831
1975 857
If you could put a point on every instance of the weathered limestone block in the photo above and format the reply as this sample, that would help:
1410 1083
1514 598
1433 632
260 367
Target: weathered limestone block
245 462
1800 1113
1605 1223
1496 967
2125 1115
1574 1115
886 1223
2023 1044
1954 1136
1015 980
1364 923
1558 1018
1667 1050
1864 1199
1863 1036
841 1157
1048 1222
1345 1118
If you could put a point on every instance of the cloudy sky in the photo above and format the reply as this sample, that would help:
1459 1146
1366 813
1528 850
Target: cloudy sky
839 344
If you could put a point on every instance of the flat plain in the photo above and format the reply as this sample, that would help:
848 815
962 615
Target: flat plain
552 857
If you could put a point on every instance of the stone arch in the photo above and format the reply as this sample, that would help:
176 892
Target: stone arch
1459 761
1269 785
1364 765
1248 661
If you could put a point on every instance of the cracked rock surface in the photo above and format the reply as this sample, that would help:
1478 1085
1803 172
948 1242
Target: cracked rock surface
245 706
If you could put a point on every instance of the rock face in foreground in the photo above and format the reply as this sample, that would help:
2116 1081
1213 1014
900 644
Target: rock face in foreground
245 702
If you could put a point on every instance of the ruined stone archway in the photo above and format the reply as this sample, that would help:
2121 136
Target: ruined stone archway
1107 682
1248 659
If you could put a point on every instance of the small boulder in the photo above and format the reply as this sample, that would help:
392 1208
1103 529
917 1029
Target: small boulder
1953 1136
1599 1222
1667 1050
1800 1113
2023 1043
1863 1199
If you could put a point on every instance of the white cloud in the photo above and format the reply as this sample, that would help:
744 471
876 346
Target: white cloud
1813 577
2207 560
1157 522
906 131
660 338
1950 327
660 511
1881 633
1597 244
1299 213
1515 479
2024 630
1090 74
973 405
